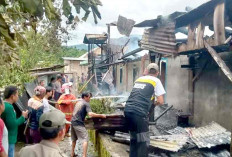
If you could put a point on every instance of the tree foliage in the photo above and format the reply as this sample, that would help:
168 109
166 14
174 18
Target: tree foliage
42 50
17 16
30 34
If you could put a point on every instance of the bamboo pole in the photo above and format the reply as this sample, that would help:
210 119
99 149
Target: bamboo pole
86 83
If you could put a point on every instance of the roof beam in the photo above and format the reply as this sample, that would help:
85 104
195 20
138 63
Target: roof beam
219 61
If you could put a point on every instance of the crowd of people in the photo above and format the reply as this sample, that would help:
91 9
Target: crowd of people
45 125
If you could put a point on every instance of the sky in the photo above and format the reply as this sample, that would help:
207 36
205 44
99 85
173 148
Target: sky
138 10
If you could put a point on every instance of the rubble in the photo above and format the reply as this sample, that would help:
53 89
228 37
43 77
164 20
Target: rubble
210 135
169 142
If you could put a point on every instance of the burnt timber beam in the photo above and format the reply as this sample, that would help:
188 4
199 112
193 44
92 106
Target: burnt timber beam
218 49
132 53
219 61
105 65
165 111
99 45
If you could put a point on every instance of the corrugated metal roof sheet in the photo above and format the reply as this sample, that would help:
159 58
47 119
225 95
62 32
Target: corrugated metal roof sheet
210 135
159 20
161 40
125 25
169 142
54 67
197 13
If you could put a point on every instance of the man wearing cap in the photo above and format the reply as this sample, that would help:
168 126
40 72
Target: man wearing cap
52 130
137 109
66 103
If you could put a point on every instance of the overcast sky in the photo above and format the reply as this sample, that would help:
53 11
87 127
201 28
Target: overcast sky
138 10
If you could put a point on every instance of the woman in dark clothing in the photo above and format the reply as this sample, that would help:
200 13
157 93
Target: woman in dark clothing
36 107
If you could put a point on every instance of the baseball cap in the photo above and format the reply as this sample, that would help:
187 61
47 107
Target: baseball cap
55 119
153 66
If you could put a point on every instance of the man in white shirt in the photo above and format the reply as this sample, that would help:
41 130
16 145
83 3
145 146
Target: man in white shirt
137 109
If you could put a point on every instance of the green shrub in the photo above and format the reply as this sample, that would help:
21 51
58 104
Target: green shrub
101 106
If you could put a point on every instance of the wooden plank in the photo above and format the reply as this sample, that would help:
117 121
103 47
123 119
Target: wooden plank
200 36
228 40
219 61
191 37
219 24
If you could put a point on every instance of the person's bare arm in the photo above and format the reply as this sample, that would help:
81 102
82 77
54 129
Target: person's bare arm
3 154
160 100
95 115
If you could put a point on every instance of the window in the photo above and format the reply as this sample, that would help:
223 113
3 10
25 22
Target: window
121 73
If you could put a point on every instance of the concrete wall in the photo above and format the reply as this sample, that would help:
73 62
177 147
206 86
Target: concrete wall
73 66
128 81
212 96
177 83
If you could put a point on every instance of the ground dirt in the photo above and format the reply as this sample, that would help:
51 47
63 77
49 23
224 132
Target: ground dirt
65 147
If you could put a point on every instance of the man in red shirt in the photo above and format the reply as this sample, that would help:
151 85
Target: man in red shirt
66 103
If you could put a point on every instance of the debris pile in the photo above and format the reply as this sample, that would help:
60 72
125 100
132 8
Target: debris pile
169 142
210 135
181 139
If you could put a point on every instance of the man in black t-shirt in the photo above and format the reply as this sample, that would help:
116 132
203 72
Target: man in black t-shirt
78 130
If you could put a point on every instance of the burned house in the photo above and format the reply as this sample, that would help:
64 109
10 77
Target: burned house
195 71
198 76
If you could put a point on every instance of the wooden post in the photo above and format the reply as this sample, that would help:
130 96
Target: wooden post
219 61
200 36
191 93
219 24
127 76
75 84
191 37
142 66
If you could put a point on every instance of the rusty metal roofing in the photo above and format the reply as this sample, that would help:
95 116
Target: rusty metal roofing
159 20
161 40
95 38
54 67
210 135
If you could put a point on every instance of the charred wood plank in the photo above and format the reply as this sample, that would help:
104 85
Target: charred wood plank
219 24
219 61
121 140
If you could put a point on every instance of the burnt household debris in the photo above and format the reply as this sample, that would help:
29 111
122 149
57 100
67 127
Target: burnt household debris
195 72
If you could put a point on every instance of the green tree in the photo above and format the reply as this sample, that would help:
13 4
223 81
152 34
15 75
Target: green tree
42 50
30 32
17 16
